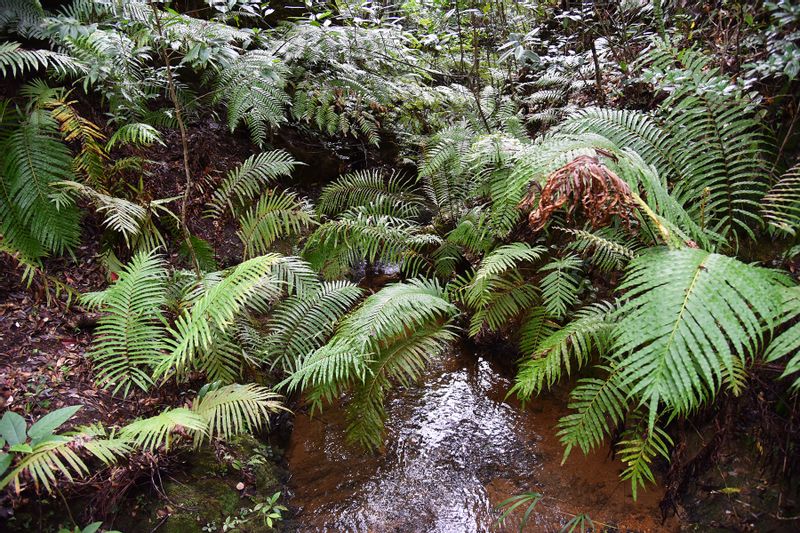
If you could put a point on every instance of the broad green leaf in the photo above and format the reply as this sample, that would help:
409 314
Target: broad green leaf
52 421
12 428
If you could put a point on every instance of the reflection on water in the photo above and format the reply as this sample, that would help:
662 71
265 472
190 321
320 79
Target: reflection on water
454 450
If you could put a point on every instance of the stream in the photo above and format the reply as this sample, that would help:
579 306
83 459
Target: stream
454 449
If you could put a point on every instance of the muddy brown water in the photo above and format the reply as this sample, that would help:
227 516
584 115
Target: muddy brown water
454 449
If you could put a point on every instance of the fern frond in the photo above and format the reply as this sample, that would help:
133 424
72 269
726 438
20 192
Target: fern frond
781 206
702 311
247 181
276 215
155 432
234 409
131 336
560 285
365 187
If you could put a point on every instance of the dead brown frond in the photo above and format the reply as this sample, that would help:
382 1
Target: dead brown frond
583 186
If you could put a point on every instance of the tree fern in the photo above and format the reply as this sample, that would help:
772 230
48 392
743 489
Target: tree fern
130 335
247 181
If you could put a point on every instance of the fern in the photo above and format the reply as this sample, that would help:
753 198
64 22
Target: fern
18 61
155 432
247 181
130 335
703 311
136 134
234 409
637 449
366 187
781 206
299 325
33 161
276 215
560 285
586 334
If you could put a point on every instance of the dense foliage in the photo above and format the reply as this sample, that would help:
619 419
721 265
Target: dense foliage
612 244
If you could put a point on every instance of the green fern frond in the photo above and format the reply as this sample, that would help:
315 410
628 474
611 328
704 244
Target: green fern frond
365 187
234 409
131 336
136 134
276 215
560 285
155 432
18 61
637 449
574 344
781 206
702 311
247 181
606 248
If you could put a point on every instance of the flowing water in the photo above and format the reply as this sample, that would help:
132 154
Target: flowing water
455 448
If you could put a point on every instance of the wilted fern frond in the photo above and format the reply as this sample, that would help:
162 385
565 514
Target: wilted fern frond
247 181
365 187
276 215
131 336
234 409
586 334
702 310
781 206
560 285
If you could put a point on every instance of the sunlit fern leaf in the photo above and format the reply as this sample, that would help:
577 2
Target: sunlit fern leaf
701 311
130 338
638 447
33 160
247 181
560 285
47 459
216 305
570 346
18 61
299 325
781 206
599 406
234 409
365 187
136 134
152 433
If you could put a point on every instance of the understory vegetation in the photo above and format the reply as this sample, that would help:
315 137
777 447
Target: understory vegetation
608 190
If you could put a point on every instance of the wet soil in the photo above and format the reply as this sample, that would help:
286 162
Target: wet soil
455 448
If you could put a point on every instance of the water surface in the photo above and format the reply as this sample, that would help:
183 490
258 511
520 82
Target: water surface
454 449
